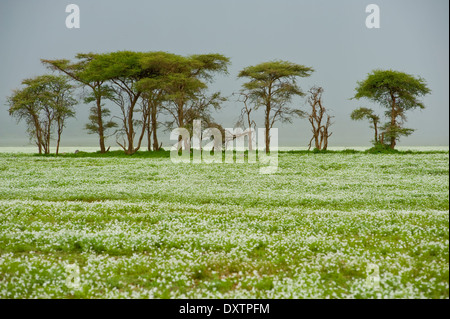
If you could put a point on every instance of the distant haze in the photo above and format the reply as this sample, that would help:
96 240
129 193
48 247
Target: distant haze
330 36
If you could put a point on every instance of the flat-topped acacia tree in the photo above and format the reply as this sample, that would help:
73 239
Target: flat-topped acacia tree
153 93
272 85
45 102
121 71
396 91
186 87
156 88
80 72
154 77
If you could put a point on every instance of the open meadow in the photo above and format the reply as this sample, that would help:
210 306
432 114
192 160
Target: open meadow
143 227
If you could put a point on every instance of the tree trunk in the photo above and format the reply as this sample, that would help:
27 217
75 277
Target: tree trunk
181 124
130 133
154 125
57 143
38 133
49 127
141 136
322 137
316 139
393 122
375 125
267 125
267 120
149 137
101 133
250 137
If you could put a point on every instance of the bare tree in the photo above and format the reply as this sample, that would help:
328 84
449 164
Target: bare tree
319 119
245 119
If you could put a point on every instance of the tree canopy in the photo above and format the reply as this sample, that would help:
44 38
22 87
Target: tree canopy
272 85
44 103
82 72
145 85
397 92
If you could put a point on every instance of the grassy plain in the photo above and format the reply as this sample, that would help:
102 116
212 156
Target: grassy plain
143 227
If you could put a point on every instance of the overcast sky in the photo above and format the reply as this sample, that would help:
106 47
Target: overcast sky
330 36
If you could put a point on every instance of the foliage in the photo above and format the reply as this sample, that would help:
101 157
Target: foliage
381 148
44 103
272 85
81 72
186 89
396 91
364 113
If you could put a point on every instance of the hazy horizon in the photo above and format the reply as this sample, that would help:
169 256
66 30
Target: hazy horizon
329 36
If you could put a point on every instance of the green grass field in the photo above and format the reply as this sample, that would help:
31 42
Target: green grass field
143 227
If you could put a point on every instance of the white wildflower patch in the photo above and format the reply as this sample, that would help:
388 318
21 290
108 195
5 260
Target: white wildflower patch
322 226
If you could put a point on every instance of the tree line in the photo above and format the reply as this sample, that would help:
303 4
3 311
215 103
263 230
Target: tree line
144 85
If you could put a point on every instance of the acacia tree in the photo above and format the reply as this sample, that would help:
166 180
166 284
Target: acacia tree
320 126
122 70
81 72
272 85
162 66
59 97
25 105
44 101
369 114
186 88
396 91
